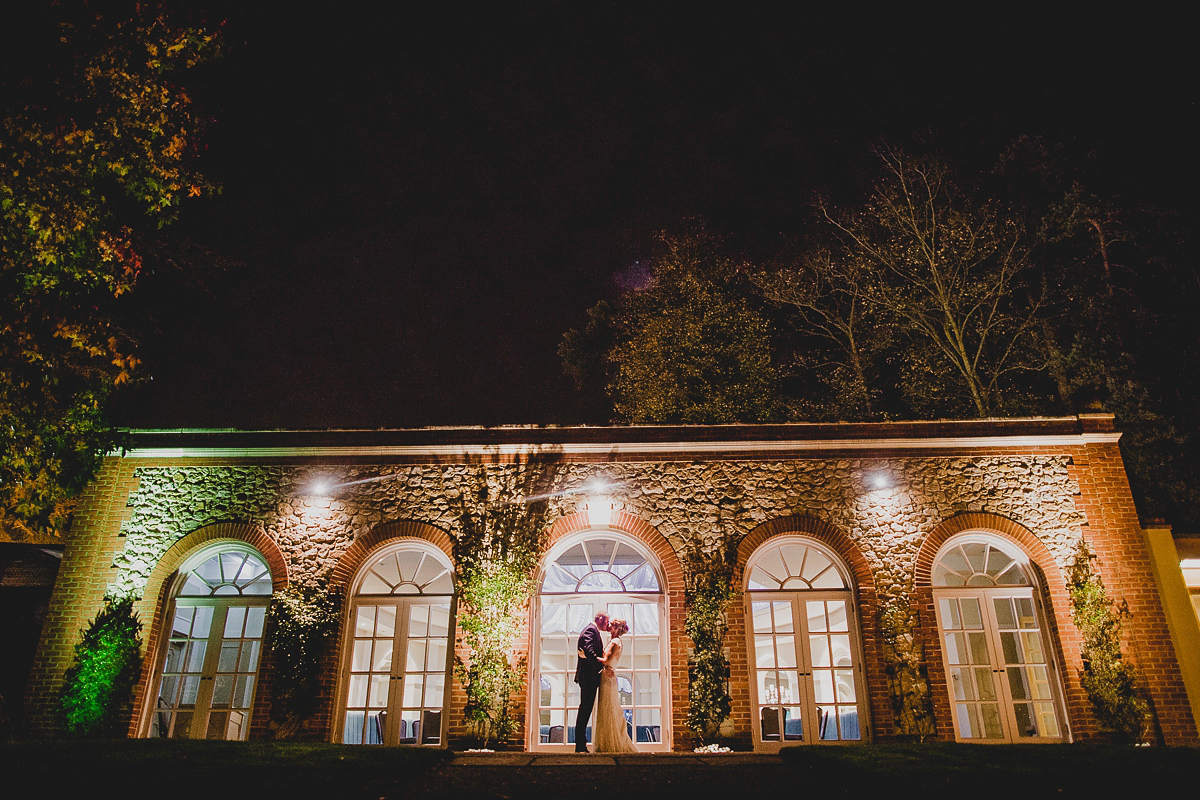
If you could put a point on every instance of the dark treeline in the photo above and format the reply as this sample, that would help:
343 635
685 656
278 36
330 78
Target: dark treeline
1015 285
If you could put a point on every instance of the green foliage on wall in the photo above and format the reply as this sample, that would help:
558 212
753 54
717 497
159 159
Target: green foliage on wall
1110 681
709 590
97 694
499 547
302 626
908 685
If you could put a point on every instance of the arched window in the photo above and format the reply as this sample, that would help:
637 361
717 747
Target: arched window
803 639
397 657
206 680
584 574
1002 681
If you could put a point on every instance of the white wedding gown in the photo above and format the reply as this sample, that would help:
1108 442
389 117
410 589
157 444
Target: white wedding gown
611 734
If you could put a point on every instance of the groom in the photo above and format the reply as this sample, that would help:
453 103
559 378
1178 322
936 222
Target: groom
587 675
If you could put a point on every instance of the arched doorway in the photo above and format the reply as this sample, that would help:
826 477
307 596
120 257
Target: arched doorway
397 655
584 574
804 645
999 668
204 686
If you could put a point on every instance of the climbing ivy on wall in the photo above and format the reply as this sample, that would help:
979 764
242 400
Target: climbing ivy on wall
709 590
501 539
97 693
908 684
1110 681
303 622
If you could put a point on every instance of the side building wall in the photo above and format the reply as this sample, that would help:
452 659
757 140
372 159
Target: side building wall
1044 499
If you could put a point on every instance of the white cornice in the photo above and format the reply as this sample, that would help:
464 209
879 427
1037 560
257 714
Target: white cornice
630 448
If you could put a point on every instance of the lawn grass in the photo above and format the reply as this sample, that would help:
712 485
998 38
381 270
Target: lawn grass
182 769
1071 770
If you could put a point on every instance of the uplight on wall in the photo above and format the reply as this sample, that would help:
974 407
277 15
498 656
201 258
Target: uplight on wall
599 511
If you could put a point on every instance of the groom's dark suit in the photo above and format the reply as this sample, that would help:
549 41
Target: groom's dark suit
587 675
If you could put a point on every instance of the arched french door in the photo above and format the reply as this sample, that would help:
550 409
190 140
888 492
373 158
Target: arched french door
804 646
590 572
999 668
204 686
394 684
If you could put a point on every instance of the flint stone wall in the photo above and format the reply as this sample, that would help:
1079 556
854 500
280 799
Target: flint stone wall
698 506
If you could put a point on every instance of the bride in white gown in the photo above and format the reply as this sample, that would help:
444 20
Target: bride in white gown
612 736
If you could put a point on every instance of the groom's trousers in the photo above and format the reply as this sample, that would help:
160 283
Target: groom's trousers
587 700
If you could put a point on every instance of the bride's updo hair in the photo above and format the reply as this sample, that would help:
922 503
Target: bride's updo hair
618 627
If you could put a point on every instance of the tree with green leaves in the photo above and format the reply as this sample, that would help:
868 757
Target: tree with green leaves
687 348
94 161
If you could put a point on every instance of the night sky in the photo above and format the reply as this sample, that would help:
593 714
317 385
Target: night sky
417 206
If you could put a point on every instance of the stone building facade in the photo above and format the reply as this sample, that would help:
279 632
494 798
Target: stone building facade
890 580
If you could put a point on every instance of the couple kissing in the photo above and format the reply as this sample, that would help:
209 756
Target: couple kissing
596 675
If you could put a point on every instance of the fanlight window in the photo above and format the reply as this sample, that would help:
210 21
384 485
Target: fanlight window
978 564
408 571
601 564
791 565
233 572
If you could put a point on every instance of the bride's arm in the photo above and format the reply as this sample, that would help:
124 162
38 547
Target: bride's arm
607 654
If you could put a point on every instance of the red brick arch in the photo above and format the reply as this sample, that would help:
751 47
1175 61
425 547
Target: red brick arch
359 552
1063 637
673 589
156 598
866 597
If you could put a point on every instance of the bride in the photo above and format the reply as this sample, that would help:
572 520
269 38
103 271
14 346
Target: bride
611 733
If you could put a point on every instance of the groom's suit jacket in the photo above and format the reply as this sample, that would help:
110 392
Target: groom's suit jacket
588 667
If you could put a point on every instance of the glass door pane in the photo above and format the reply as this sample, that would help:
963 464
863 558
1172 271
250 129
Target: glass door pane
236 669
1026 667
806 678
369 682
206 689
998 666
832 669
971 669
396 683
427 633
183 667
640 679
780 697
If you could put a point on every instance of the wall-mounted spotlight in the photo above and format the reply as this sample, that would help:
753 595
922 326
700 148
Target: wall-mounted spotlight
879 479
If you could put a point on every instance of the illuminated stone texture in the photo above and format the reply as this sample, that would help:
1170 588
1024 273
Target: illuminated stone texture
1042 484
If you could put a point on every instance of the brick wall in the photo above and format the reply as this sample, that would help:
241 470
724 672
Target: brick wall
142 516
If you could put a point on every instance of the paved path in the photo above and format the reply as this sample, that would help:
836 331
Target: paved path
658 776
600 759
